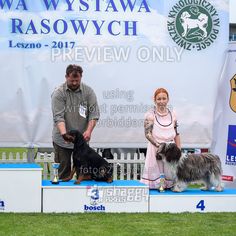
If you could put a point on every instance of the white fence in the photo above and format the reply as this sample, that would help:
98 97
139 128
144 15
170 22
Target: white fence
125 165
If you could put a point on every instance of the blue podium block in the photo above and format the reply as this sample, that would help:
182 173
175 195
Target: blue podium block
193 200
92 196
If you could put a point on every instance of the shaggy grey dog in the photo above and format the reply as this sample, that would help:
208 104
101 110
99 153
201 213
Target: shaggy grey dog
203 167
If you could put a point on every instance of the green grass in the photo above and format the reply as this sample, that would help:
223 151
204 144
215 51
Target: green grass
12 150
165 224
19 150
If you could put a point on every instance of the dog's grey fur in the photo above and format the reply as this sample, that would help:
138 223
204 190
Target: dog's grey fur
203 167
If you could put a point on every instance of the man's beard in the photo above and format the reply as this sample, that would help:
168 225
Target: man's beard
73 87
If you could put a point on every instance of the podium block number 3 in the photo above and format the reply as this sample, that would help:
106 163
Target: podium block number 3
201 205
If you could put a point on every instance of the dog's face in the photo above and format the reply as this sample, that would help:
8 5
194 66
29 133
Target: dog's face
185 15
169 152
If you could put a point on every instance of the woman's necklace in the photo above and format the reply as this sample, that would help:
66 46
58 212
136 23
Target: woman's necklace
162 115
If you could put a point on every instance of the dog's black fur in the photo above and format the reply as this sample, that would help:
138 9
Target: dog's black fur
171 152
87 163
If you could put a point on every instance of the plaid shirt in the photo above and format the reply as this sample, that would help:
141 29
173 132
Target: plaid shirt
75 108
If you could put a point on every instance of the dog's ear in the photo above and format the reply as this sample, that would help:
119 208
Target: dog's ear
158 156
162 148
161 151
173 153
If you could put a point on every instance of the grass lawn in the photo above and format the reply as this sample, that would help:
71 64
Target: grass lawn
12 150
165 224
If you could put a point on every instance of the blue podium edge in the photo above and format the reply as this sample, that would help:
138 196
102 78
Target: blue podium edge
192 192
132 184
91 183
19 166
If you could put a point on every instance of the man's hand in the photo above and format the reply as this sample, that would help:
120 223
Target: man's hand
88 132
87 135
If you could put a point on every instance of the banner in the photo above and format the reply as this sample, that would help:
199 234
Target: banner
127 49
224 132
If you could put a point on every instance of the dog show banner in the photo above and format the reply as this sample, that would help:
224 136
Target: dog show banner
224 132
127 48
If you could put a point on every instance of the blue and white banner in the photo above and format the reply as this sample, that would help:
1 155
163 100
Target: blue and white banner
127 49
224 132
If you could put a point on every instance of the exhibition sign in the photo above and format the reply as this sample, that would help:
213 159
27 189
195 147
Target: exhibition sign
127 49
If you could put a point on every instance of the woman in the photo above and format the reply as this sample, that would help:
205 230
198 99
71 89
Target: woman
160 126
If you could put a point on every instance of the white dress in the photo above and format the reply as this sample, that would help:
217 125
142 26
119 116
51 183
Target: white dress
163 131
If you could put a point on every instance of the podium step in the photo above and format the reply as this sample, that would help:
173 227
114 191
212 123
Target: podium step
93 196
192 200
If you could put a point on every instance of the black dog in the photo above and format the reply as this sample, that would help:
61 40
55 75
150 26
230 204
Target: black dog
86 162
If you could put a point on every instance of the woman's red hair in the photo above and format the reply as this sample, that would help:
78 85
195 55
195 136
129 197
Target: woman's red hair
160 90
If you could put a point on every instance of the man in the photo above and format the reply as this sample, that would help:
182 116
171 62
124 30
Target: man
74 106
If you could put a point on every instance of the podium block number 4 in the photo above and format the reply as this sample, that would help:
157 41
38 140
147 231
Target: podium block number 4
201 205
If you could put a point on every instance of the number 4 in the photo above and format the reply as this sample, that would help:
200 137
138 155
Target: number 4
201 205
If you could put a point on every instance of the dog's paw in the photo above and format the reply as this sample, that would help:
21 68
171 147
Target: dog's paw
219 189
77 182
109 180
176 190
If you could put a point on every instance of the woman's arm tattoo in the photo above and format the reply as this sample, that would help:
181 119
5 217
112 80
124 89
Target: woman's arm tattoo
148 127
